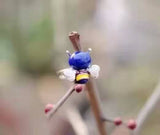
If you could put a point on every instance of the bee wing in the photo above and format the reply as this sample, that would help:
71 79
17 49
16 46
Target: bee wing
94 71
68 74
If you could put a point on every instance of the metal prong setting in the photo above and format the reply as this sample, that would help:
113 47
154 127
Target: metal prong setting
89 50
69 54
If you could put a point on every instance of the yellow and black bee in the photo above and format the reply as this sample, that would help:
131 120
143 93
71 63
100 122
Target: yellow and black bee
81 68
82 77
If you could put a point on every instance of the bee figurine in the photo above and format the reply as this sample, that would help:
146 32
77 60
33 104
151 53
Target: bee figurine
80 68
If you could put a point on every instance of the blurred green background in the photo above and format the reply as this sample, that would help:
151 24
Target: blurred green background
124 36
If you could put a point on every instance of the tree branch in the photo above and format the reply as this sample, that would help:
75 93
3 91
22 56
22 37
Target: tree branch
77 121
60 102
74 38
93 96
107 120
148 108
95 104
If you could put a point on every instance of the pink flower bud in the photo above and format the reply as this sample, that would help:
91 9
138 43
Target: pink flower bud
78 88
117 121
131 124
48 107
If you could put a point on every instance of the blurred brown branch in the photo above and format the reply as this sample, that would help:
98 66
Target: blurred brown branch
77 121
147 109
60 102
92 94
74 38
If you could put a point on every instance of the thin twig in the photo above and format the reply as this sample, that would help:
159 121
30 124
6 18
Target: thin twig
93 96
60 102
75 39
124 123
148 108
107 120
77 121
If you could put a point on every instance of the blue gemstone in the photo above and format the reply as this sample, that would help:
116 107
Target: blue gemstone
80 60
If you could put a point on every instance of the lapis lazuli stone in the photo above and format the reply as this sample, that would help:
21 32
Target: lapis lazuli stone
80 60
